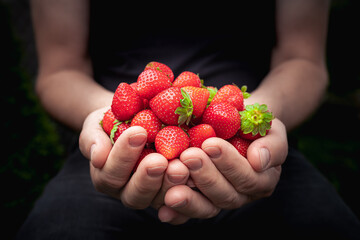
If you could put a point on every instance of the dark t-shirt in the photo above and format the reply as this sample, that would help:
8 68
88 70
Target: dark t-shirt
223 43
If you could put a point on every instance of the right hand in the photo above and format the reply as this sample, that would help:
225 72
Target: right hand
111 166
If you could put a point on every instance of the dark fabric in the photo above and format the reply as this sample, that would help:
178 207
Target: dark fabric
304 204
224 43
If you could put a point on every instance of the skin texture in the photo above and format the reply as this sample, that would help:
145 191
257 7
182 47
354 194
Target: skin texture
226 180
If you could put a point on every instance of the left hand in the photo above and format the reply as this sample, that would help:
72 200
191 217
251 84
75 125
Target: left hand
224 178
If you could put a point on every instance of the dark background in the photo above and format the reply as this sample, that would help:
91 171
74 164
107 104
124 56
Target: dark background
34 145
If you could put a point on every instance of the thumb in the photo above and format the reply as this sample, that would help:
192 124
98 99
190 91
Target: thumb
94 143
269 151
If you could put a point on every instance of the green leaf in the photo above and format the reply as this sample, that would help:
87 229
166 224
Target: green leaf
245 94
268 117
186 109
114 130
262 129
212 94
263 108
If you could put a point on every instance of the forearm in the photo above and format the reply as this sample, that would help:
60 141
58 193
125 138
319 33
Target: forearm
292 90
70 95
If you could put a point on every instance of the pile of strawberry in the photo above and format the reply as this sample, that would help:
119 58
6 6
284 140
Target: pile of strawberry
181 113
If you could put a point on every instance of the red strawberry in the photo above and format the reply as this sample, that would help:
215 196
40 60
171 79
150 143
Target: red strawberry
165 104
255 121
187 79
126 103
162 68
108 121
224 118
240 144
148 120
199 134
233 95
193 103
134 86
145 101
150 82
143 154
199 98
171 141
112 126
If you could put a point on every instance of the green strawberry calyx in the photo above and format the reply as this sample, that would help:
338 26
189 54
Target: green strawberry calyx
117 123
256 119
212 91
186 109
114 130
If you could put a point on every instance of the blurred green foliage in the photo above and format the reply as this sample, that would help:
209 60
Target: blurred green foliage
31 149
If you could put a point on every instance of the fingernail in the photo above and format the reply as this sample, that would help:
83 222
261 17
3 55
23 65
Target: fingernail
156 171
213 152
264 157
193 164
176 178
137 140
179 204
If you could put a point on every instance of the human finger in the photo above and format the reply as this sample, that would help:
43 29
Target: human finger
238 171
94 143
126 151
120 162
169 215
190 203
176 173
210 181
269 151
145 183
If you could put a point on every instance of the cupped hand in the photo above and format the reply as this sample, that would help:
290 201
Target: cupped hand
224 178
111 166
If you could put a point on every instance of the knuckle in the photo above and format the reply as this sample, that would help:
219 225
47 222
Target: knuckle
206 183
230 202
266 187
131 203
144 189
261 190
107 184
128 203
212 212
269 189
140 196
245 182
